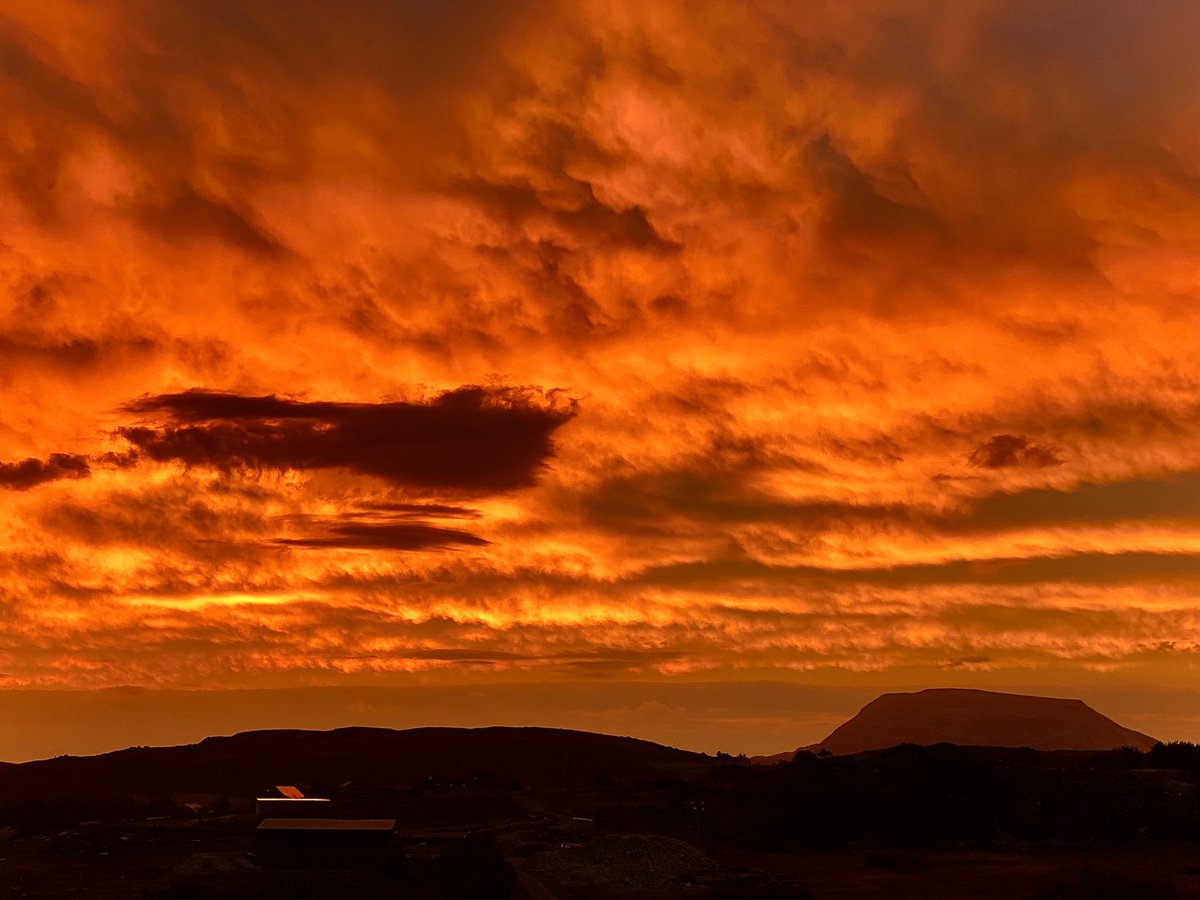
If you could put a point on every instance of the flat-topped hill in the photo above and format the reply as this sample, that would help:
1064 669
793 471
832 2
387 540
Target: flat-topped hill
981 719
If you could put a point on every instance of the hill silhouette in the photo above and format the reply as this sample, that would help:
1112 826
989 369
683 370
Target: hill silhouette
980 719
177 822
246 763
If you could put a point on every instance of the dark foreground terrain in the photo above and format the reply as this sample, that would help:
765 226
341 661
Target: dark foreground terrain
619 819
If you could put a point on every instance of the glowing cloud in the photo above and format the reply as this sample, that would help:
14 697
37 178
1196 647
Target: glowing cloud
674 340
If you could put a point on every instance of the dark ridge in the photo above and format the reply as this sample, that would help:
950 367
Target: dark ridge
246 763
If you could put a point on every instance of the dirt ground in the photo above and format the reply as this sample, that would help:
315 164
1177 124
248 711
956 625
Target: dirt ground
892 875
186 860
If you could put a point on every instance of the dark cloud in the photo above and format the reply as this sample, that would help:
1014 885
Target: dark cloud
1009 451
21 476
387 536
385 526
222 533
469 439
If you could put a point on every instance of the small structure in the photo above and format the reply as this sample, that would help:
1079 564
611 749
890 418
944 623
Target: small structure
288 801
325 843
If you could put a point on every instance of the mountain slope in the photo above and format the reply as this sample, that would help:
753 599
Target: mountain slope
247 763
980 718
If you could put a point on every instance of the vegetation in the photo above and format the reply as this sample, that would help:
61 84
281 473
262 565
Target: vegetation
946 795
902 814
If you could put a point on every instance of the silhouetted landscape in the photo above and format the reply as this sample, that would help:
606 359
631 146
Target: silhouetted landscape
550 813
599 450
981 719
357 356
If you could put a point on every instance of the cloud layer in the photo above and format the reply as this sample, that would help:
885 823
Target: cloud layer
373 343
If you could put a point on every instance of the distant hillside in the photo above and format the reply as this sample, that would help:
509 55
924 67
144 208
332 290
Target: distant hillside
247 763
980 719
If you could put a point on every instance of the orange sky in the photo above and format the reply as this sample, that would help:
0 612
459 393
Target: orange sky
834 343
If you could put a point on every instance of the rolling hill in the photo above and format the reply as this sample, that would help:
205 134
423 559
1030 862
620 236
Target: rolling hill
245 764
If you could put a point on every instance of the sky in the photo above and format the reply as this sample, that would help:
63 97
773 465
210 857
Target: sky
606 347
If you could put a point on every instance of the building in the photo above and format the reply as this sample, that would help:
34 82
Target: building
325 843
286 801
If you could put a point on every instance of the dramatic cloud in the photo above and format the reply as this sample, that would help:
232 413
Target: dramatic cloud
863 338
466 439
1007 450
28 473
385 536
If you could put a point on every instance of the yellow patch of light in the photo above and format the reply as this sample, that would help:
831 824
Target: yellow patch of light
189 603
